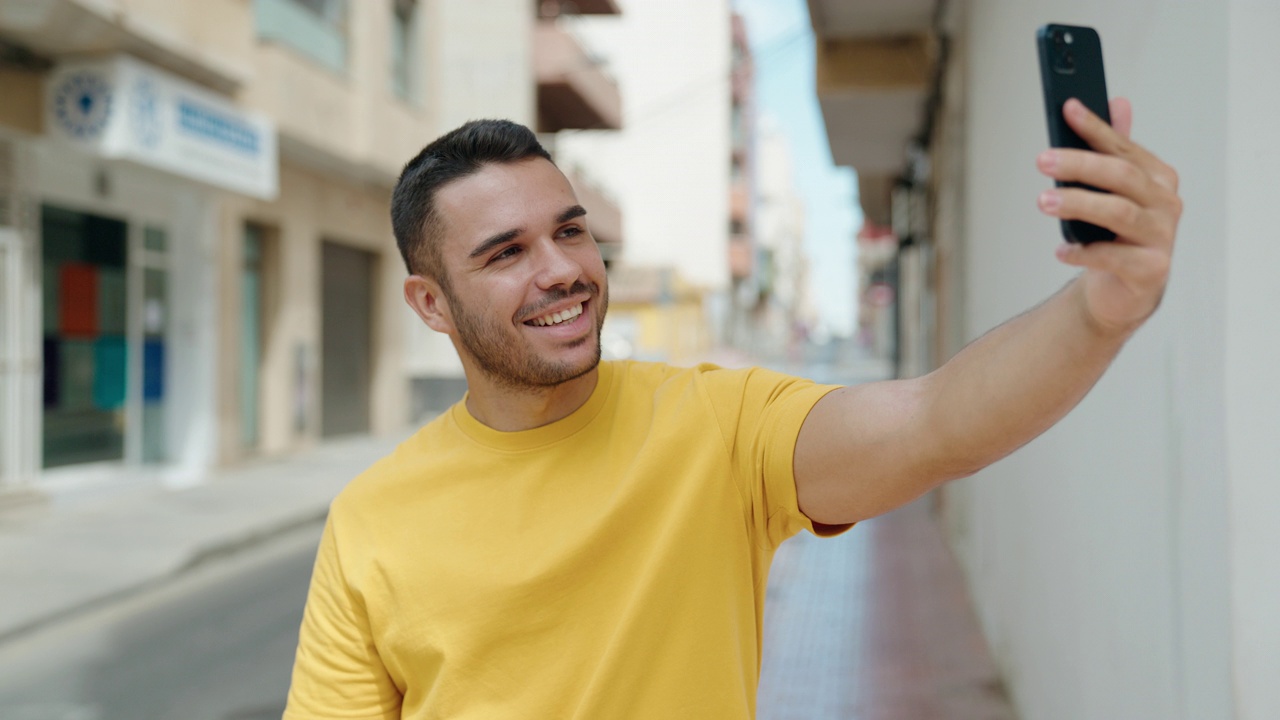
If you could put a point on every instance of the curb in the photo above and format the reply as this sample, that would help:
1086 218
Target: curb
200 556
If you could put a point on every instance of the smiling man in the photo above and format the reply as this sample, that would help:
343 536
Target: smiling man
588 540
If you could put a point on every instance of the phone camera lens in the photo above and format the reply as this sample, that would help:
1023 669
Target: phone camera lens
1067 37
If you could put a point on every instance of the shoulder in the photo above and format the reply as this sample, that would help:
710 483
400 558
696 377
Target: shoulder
659 373
721 388
401 471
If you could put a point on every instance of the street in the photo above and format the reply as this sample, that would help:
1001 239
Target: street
217 643
872 625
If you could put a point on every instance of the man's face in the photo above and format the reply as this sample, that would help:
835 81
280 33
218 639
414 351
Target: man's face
527 291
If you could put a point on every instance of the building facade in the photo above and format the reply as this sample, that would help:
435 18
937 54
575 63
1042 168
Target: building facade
783 313
195 246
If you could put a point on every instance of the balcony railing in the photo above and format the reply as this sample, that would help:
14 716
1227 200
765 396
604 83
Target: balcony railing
574 92
555 8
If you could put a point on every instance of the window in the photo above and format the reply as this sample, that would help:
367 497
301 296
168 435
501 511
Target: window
314 28
403 48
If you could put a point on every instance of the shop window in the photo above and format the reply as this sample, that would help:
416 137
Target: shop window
314 28
251 333
84 350
155 331
404 49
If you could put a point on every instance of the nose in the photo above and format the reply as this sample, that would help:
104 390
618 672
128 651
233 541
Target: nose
556 267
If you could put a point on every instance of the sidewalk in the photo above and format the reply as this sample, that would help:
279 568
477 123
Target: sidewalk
876 624
82 547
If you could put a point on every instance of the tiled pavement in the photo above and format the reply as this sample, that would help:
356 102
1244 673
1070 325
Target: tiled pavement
875 625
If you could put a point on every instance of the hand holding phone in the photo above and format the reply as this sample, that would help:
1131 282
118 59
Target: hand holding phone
1108 188
1071 67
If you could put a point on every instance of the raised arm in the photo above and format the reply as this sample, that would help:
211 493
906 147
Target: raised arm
867 449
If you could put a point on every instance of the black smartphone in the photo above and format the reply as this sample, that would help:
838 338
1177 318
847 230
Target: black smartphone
1071 67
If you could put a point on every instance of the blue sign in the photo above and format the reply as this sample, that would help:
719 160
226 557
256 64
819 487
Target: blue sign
218 127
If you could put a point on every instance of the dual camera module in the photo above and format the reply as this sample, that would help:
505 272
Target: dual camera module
1064 60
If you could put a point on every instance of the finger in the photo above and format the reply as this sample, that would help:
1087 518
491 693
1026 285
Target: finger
1136 266
1121 116
1102 171
1105 139
1119 214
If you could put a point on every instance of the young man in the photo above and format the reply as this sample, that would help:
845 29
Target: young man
578 539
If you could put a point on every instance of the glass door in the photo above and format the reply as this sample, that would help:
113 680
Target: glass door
153 269
251 313
8 359
85 349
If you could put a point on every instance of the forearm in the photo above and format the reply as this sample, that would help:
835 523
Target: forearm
867 449
1015 382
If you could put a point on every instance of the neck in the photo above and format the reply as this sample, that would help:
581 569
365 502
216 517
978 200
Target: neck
508 409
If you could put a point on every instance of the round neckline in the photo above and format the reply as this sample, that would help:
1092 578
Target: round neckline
521 440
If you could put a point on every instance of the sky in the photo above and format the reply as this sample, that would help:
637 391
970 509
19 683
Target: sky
783 46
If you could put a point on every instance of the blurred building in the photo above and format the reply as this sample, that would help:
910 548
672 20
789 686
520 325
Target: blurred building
680 168
195 247
746 268
1121 564
782 314
878 290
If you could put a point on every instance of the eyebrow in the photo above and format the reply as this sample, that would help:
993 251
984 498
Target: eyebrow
565 216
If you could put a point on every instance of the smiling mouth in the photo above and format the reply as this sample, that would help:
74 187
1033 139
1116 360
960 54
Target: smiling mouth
557 318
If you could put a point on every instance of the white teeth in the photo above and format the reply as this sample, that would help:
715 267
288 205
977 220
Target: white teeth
558 317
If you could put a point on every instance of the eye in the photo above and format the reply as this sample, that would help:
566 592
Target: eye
571 231
507 252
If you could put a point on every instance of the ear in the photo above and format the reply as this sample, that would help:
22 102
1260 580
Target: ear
427 300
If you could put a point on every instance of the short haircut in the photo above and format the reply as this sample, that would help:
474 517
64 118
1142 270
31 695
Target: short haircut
453 156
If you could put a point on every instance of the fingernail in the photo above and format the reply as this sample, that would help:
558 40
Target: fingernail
1050 200
1048 161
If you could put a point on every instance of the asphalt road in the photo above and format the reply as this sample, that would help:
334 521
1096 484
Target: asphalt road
215 644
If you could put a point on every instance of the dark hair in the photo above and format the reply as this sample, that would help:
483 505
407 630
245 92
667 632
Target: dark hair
450 157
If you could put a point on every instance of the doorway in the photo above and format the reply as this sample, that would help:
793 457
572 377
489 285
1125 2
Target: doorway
85 321
346 339
104 327
10 357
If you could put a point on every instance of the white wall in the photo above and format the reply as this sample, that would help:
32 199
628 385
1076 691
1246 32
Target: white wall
1098 555
1252 377
669 165
481 61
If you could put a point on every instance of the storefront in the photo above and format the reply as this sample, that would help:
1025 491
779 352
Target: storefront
123 194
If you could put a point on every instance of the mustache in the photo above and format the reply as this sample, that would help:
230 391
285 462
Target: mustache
554 296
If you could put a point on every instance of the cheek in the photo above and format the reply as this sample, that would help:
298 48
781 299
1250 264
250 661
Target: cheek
589 258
